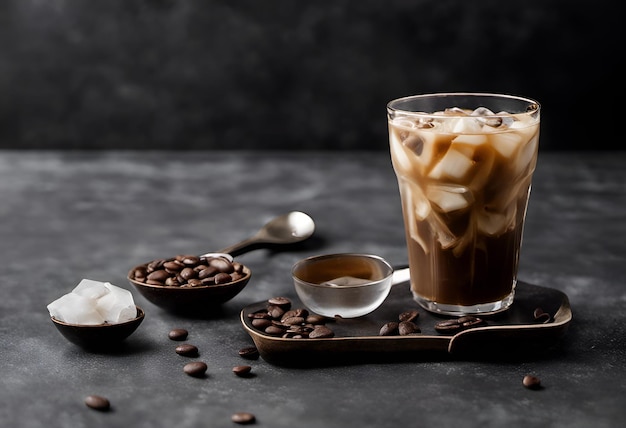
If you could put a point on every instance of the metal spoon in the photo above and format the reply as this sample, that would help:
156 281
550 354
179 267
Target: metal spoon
289 228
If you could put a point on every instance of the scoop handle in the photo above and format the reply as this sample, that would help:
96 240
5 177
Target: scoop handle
401 274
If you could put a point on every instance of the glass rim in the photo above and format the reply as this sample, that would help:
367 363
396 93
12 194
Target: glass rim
533 107
380 261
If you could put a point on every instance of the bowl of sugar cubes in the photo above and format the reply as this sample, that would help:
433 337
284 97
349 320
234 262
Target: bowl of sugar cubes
96 314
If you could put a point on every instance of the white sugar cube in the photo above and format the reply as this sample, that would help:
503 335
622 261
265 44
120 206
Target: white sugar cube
90 289
93 302
75 309
117 305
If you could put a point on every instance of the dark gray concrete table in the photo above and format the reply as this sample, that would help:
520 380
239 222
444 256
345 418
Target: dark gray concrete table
68 216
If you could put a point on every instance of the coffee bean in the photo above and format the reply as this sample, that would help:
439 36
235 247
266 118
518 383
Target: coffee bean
223 278
408 315
172 281
259 314
222 265
274 330
191 260
407 327
97 402
531 382
209 272
321 332
283 302
188 273
447 326
389 329
187 350
242 371
293 321
243 418
300 312
195 282
155 264
173 266
249 353
195 369
140 273
275 311
316 319
158 275
470 321
459 324
261 323
178 334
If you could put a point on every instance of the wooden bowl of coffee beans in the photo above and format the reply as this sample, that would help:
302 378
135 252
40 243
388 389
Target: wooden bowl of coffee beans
189 283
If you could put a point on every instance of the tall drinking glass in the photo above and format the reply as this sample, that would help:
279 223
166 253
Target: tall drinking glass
464 164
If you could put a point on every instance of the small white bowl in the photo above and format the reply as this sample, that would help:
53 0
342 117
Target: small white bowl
347 285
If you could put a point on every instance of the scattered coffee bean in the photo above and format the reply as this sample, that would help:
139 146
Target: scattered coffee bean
447 326
178 334
242 371
189 271
408 327
408 315
243 418
404 327
97 402
531 382
470 321
195 369
249 353
389 329
541 317
187 350
458 324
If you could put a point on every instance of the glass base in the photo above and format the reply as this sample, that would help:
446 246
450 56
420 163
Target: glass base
460 310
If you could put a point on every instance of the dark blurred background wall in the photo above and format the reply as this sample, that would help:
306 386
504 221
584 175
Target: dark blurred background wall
289 74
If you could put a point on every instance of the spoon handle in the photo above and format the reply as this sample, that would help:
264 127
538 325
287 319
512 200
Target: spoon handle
240 247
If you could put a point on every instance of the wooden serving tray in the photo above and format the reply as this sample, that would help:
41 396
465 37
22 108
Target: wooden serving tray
512 333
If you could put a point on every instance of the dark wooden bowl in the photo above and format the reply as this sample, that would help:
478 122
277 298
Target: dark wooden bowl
100 336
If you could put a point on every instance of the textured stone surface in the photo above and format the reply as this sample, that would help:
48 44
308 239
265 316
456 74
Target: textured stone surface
68 216
288 74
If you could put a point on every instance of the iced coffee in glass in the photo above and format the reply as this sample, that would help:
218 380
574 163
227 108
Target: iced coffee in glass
464 163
